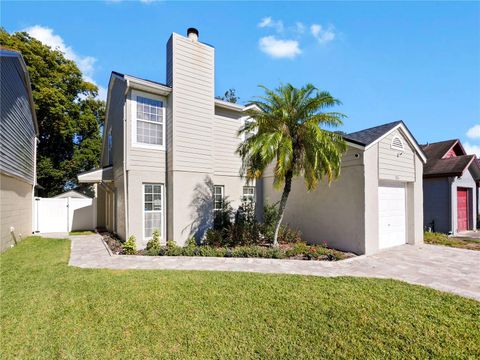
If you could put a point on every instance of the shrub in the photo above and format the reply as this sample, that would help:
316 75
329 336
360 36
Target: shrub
130 246
214 237
287 235
154 244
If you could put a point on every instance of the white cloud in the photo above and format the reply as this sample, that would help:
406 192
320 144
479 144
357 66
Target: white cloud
471 149
270 23
279 48
321 34
474 132
86 64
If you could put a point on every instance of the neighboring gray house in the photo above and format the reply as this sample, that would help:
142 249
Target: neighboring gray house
375 203
18 148
450 187
169 160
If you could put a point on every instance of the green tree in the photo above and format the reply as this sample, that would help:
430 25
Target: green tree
69 115
287 128
230 96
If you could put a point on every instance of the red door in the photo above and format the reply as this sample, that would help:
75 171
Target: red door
462 209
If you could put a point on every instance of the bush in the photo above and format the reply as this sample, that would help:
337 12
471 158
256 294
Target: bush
153 245
287 235
130 246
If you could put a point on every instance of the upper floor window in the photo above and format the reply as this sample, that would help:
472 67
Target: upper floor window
150 121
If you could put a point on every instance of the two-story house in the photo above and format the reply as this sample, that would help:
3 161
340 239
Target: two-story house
169 149
169 160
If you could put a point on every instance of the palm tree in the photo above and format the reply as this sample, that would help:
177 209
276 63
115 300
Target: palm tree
286 126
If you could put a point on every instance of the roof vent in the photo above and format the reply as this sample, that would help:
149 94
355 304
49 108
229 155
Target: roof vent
397 143
192 34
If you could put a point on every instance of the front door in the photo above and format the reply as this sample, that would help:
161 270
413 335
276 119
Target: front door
462 209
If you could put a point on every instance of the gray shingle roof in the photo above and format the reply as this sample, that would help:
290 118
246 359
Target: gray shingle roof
368 136
136 77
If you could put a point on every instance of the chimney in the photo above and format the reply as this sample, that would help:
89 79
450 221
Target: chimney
192 34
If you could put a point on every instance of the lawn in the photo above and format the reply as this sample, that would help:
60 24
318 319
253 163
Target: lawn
50 310
458 242
82 232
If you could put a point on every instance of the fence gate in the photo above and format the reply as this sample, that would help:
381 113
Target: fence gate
64 214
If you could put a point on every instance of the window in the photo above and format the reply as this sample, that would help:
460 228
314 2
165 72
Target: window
218 193
109 146
150 121
153 209
249 194
397 143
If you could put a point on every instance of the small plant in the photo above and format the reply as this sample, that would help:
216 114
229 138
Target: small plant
154 244
130 246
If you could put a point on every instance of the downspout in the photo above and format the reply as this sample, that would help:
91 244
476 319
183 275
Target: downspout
125 178
450 204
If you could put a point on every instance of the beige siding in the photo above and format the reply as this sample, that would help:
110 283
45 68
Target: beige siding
393 164
15 210
225 142
192 78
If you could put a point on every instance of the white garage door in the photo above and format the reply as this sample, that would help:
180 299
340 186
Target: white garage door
392 225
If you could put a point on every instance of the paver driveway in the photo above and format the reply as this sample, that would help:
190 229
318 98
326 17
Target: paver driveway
442 268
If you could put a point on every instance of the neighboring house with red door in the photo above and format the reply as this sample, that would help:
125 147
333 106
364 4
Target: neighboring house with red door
450 179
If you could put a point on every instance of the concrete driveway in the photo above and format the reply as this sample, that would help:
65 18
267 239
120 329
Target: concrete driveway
442 268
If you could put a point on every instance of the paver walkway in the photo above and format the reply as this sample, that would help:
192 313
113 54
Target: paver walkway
441 268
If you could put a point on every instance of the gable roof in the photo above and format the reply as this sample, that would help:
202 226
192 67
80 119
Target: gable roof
370 136
437 166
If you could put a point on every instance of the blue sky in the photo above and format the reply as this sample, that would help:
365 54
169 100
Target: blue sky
419 62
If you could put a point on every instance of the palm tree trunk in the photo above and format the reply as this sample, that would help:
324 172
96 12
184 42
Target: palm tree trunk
283 203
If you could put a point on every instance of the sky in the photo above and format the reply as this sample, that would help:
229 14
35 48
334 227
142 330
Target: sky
413 61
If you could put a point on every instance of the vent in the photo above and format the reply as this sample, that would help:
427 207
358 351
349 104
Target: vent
397 143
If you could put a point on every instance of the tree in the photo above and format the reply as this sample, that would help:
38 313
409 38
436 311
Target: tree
230 96
68 114
287 128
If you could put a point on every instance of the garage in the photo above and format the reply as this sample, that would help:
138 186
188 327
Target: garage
392 215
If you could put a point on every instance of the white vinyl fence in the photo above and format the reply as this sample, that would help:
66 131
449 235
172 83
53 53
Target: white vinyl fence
64 214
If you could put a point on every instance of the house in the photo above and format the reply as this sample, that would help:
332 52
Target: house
169 161
18 149
450 187
168 149
375 203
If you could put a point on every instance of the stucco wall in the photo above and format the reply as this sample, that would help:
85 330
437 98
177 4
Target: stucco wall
334 213
15 210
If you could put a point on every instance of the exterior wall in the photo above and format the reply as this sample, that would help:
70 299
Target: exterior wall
15 210
437 204
464 181
393 164
17 131
371 200
415 206
226 141
335 213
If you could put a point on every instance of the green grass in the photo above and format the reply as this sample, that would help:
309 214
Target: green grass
445 240
82 232
50 310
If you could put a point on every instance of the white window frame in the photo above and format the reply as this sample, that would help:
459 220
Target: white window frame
244 121
162 229
397 147
222 187
253 196
133 117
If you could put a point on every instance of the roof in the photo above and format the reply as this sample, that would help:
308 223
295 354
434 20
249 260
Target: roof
138 78
72 193
439 149
96 175
437 166
5 52
370 135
